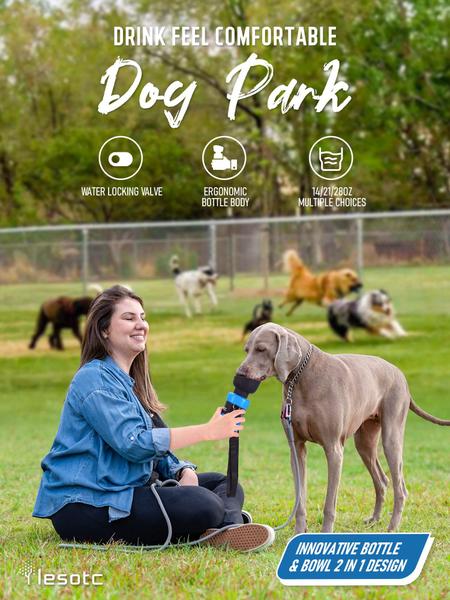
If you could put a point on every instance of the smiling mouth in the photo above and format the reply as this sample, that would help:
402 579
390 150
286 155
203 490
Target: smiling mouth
139 337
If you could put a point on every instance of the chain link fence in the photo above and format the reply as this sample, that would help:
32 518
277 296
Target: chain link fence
236 246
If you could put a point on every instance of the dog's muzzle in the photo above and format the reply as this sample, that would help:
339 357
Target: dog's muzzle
243 385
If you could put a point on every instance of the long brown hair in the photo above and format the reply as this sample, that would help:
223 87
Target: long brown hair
94 344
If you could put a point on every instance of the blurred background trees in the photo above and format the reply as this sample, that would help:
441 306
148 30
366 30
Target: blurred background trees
393 54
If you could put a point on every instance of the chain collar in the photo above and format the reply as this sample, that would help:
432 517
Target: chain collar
292 380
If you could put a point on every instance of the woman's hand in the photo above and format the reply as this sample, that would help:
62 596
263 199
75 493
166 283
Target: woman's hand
219 427
224 426
188 477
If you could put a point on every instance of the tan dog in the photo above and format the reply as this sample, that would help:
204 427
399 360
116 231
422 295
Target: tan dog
334 398
320 289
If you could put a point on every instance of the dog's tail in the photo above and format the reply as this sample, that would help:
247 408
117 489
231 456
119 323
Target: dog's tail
416 409
95 287
291 261
174 264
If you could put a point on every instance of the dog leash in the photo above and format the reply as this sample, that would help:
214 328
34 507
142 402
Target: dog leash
286 421
141 548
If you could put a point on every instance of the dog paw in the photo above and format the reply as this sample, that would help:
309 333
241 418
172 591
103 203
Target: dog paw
301 530
370 521
301 526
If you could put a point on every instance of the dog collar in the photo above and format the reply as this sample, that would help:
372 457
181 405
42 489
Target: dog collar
291 381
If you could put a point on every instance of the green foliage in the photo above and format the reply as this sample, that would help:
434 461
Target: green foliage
393 54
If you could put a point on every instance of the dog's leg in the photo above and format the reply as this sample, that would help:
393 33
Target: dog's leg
53 338
366 442
342 331
393 427
387 333
300 451
40 328
197 305
335 458
76 331
300 515
184 302
398 329
211 294
57 338
294 306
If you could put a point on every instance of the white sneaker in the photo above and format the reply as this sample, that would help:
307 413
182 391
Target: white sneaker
246 517
251 537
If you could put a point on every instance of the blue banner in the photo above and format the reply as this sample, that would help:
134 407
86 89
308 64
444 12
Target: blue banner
354 558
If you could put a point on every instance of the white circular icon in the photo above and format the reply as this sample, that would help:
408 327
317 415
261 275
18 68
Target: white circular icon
224 157
331 157
120 157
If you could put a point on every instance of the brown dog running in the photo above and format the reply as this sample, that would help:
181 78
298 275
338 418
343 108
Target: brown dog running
63 313
320 289
336 397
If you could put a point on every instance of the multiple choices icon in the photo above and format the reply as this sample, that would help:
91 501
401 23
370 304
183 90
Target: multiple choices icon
331 157
330 161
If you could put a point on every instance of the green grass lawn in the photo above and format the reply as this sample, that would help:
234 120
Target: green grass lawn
193 364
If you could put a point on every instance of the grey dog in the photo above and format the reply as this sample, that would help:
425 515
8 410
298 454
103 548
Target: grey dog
335 397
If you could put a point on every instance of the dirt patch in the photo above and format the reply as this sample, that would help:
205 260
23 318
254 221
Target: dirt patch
187 338
17 348
162 341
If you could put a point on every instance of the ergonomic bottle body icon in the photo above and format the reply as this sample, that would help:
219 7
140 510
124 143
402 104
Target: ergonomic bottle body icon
224 157
221 162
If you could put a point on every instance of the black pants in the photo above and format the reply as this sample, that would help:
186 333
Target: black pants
191 509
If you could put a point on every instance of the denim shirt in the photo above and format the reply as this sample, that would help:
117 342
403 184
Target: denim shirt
105 445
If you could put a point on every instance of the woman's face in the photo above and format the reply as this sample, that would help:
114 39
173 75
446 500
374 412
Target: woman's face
127 333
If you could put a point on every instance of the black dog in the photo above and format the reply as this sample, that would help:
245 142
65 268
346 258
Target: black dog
63 313
262 313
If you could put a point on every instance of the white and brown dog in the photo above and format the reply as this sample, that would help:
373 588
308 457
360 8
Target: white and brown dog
190 285
373 312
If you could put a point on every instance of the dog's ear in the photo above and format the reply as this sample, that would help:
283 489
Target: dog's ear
288 354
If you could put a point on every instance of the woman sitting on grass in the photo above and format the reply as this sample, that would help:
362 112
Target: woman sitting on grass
112 444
